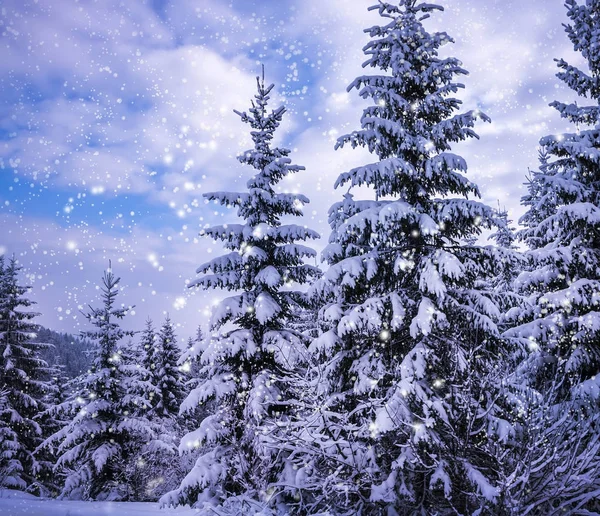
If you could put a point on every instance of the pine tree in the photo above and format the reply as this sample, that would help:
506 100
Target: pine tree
191 365
559 325
51 421
24 380
245 363
109 430
10 466
147 347
506 234
511 263
190 361
405 409
195 376
157 469
166 374
58 393
148 344
188 365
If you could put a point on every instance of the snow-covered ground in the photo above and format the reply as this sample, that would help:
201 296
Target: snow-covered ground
15 503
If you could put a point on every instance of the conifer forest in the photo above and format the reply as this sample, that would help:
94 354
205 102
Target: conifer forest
291 257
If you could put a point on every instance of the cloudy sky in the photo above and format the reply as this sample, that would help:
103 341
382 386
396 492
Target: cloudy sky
115 117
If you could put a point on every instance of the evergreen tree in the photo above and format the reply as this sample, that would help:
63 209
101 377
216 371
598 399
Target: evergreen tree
51 421
190 362
10 466
245 363
506 234
109 430
147 347
58 393
24 380
195 375
406 411
558 327
511 263
167 375
189 366
156 468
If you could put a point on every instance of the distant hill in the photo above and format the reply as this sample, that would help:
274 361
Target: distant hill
70 351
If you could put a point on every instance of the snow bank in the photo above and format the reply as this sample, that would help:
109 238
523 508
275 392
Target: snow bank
16 503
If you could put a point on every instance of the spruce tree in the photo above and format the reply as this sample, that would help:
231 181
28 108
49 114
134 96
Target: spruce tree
190 360
247 359
24 380
561 228
10 466
167 375
512 262
404 408
506 234
51 420
58 393
157 469
147 347
195 375
558 327
108 429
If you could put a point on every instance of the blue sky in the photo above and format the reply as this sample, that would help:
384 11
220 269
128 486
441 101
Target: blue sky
115 117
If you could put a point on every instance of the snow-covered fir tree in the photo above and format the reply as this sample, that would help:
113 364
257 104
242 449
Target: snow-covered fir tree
166 374
406 408
59 392
195 375
506 234
557 405
147 346
190 362
247 359
51 421
24 380
109 429
157 469
10 466
511 264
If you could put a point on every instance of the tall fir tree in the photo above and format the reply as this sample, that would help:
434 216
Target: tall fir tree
147 345
405 408
24 378
108 430
168 377
245 363
558 327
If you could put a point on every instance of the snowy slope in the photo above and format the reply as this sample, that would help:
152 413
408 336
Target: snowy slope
15 503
